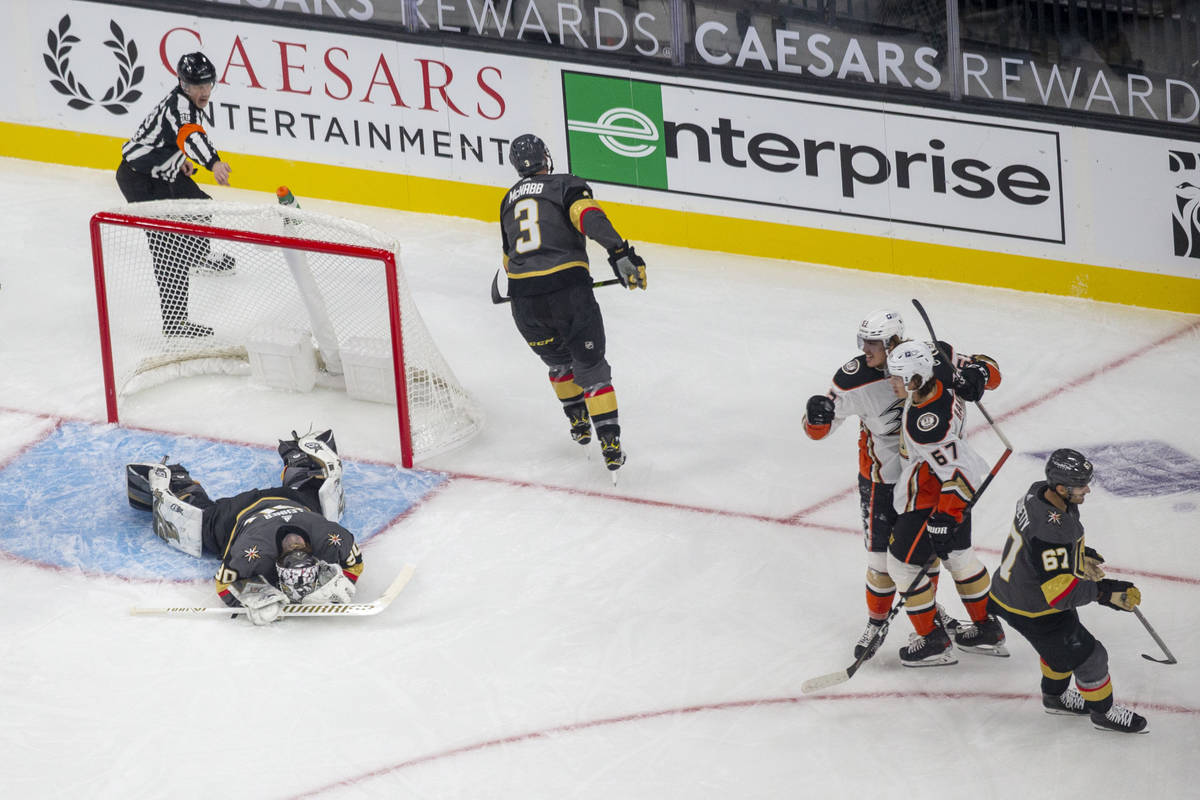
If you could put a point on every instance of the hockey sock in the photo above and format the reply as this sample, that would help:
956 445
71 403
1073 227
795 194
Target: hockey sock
602 405
1053 681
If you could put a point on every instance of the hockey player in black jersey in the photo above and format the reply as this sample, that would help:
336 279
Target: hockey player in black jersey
157 164
277 546
940 478
1045 575
545 221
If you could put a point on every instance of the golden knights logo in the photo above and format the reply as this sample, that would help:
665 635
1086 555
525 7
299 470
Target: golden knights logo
1186 210
59 43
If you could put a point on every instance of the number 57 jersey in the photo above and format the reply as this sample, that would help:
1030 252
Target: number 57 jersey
940 469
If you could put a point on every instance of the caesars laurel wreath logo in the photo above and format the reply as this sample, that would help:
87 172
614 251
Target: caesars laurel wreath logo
117 97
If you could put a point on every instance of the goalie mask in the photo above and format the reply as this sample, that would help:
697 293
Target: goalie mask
298 571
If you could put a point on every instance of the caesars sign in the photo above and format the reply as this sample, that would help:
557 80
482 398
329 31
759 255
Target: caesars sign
921 170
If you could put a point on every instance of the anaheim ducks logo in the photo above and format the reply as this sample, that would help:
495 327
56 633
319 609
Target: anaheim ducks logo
59 43
927 422
850 367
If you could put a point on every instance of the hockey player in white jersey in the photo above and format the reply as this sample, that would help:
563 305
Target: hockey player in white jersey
941 476
861 389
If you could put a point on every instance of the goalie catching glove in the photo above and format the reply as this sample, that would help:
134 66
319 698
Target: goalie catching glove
628 266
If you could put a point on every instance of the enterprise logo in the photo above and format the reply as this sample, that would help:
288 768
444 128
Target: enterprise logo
815 156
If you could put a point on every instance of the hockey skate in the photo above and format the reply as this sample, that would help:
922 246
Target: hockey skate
870 641
933 650
581 423
1119 720
610 446
985 637
951 625
1069 703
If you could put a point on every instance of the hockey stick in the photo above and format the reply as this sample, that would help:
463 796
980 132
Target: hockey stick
298 609
842 675
1170 659
946 357
498 299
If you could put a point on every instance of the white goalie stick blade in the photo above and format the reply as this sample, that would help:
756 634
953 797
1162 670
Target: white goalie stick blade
297 609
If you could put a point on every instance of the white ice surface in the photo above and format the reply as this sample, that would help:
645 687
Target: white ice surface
564 638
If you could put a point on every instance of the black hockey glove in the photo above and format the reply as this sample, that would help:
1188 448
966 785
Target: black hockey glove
628 266
1091 564
819 410
941 527
1121 595
971 381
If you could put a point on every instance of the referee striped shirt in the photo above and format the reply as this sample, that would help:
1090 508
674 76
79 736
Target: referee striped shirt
169 134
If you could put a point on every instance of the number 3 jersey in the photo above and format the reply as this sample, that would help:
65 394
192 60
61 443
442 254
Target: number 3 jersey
545 221
1041 571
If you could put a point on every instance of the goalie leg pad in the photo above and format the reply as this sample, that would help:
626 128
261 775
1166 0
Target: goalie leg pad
177 522
313 457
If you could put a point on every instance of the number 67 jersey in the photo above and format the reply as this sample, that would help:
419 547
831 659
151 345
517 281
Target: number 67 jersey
940 469
1041 571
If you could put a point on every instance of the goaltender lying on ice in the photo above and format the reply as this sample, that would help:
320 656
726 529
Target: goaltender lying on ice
282 550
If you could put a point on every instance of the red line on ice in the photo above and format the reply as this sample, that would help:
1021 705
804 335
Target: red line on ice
576 727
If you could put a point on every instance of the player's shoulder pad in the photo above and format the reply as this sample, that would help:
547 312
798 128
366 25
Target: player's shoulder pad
855 374
930 423
943 370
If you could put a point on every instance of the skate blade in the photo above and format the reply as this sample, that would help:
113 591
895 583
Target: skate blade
1114 730
944 660
1064 712
998 650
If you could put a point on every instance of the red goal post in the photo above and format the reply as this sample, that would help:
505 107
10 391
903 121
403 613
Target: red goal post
157 266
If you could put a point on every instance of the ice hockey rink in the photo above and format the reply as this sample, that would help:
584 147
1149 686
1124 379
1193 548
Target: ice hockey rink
562 637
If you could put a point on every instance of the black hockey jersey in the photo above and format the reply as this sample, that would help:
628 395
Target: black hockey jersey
249 527
544 220
170 133
1041 571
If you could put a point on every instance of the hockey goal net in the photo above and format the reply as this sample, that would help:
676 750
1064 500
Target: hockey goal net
290 297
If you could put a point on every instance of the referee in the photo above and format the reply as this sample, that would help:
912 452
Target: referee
157 164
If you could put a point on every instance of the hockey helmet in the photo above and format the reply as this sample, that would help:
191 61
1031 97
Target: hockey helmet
297 570
195 68
911 359
880 326
1067 467
528 155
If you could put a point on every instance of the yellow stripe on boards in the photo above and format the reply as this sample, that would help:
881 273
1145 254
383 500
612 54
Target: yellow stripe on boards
646 224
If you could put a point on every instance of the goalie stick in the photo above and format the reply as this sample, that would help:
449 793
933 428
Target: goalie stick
297 609
497 298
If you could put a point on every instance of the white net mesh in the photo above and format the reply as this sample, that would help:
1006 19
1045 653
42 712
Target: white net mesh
181 304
